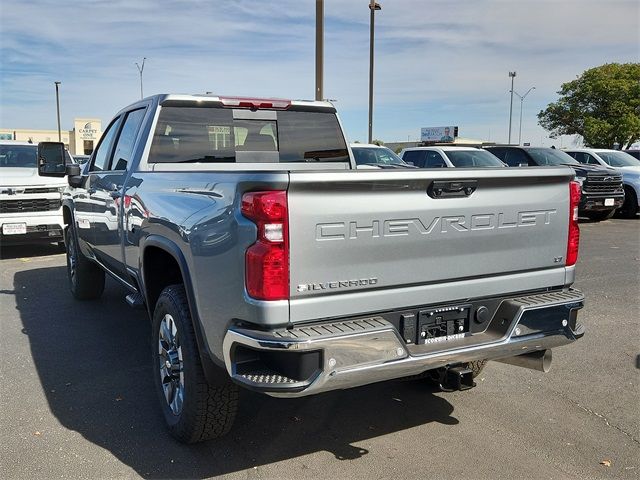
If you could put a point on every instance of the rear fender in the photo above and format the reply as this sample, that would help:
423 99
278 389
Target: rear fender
212 369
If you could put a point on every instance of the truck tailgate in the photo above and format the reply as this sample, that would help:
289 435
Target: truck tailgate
375 240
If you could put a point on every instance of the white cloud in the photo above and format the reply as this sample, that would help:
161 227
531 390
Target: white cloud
436 62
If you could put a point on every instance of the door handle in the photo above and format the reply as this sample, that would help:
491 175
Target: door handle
452 188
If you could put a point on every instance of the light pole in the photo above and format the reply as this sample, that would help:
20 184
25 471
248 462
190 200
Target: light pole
319 48
512 75
58 110
140 70
522 97
373 6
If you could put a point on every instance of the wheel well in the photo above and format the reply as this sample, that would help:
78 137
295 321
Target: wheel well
630 191
160 270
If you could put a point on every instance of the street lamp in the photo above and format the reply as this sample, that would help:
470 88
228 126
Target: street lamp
319 48
373 6
141 69
521 97
58 110
512 75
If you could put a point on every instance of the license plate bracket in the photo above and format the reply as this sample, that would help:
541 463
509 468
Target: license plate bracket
443 324
14 228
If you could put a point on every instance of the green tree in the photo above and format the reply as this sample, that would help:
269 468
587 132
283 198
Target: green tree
380 143
602 105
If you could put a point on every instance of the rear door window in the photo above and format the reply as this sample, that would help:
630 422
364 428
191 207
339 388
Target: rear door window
209 134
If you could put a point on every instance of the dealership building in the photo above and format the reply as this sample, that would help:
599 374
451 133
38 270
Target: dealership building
79 141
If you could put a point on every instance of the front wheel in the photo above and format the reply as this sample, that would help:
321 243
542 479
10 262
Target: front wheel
193 410
629 208
86 279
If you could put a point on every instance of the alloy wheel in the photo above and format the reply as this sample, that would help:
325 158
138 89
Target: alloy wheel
171 364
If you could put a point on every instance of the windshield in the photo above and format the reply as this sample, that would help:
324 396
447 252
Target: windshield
373 156
18 156
473 158
619 159
551 156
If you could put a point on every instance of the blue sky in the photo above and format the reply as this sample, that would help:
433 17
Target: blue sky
437 63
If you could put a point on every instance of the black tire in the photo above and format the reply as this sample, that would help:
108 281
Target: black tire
202 411
86 279
629 208
476 367
600 216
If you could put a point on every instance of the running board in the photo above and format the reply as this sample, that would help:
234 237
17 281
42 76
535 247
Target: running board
135 300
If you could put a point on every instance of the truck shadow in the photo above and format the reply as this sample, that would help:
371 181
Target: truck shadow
29 250
94 363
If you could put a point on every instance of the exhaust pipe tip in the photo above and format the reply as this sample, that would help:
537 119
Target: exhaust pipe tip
539 360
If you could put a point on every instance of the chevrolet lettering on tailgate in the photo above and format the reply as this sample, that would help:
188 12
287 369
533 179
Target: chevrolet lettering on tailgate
416 226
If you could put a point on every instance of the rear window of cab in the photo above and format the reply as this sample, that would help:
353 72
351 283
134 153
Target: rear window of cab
212 134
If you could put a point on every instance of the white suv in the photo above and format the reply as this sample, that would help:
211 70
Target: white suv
628 165
443 157
30 205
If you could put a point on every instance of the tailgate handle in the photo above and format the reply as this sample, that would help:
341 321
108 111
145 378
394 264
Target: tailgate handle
452 188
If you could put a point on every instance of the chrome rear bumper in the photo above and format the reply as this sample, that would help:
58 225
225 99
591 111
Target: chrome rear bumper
367 350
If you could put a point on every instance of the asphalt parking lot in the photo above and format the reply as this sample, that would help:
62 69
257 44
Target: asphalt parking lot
77 397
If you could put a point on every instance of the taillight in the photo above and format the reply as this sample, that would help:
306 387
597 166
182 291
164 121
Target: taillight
267 260
573 240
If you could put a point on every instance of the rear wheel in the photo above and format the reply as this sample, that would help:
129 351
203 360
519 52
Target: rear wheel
629 208
86 279
600 216
193 410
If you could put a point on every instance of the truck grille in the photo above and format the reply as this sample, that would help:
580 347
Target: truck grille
35 205
41 190
603 184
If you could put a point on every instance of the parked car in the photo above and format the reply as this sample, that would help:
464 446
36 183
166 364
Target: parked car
30 205
266 260
441 157
602 189
622 162
376 156
635 153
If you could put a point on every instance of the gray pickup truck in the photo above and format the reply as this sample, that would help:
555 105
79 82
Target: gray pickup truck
266 260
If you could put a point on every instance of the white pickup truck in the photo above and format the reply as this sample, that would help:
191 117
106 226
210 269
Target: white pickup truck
30 205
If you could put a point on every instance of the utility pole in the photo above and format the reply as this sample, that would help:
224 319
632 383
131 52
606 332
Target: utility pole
140 70
319 48
522 97
373 6
58 110
512 75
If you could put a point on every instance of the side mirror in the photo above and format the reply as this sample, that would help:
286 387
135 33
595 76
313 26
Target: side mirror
51 159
